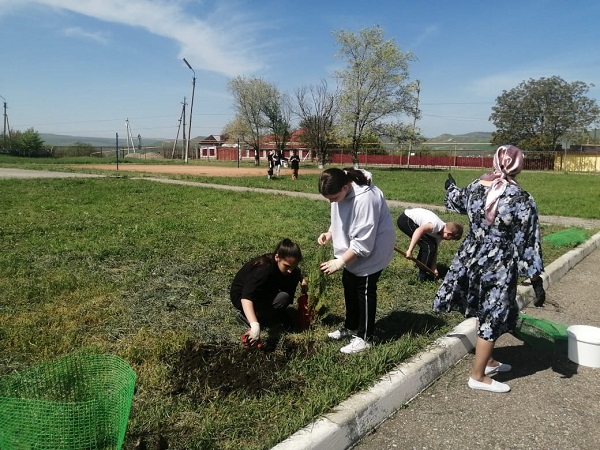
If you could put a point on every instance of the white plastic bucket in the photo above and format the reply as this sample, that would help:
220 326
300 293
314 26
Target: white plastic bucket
584 345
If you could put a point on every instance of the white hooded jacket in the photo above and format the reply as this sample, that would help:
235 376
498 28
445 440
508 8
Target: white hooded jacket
362 222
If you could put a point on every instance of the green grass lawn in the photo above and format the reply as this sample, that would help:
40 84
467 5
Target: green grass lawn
142 270
557 193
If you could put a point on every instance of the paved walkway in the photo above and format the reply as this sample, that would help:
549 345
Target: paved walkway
6 172
553 403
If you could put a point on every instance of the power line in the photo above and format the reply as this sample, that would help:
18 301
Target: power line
458 103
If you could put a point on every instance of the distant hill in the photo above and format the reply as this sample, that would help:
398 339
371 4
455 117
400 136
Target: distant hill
59 140
477 137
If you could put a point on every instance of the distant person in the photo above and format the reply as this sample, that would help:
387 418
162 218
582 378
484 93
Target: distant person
277 162
265 286
363 235
270 164
295 164
426 230
503 243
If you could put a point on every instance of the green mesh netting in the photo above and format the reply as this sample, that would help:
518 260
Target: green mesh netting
570 236
542 333
81 401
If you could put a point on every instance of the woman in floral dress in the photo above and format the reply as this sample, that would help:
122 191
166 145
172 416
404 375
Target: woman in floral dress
502 245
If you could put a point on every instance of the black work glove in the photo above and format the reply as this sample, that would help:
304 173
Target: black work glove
449 182
538 288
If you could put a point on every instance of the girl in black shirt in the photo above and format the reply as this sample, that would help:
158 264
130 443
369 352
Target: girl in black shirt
265 286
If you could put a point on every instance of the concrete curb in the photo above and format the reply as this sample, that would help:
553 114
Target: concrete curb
558 268
363 412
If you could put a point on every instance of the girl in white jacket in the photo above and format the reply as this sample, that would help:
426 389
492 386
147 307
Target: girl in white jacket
363 235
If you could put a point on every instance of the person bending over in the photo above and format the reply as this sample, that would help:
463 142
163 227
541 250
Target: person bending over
426 230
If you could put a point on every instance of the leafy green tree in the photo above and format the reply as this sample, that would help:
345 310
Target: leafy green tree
401 133
374 84
27 143
370 142
237 129
536 114
317 109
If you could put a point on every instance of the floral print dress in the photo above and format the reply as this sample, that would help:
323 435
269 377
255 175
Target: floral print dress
483 277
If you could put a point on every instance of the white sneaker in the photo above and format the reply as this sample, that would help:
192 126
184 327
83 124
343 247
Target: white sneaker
356 345
495 386
342 333
501 367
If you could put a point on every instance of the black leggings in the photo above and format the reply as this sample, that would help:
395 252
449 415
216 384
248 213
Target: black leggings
273 311
428 246
360 295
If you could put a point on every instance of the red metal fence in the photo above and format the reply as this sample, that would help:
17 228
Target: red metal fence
571 161
533 161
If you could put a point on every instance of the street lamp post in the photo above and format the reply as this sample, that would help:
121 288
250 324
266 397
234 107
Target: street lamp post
414 124
5 122
187 144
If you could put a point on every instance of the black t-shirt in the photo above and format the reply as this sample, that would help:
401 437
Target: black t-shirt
295 160
262 283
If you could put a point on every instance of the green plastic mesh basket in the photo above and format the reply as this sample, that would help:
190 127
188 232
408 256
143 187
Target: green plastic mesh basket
81 401
570 236
542 333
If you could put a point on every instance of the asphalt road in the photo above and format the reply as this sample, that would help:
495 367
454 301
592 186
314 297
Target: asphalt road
553 403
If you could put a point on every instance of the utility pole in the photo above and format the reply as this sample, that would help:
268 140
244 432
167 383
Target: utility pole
179 129
187 145
414 124
117 148
6 125
129 137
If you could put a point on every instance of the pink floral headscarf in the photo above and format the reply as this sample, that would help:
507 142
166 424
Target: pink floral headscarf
508 162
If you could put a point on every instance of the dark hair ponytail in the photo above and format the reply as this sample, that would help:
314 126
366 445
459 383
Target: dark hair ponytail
285 249
288 249
333 180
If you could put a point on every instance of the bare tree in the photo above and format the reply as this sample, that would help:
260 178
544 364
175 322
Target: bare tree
317 109
277 111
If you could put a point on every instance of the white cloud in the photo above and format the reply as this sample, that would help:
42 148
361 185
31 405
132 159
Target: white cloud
78 32
425 34
569 66
492 85
221 41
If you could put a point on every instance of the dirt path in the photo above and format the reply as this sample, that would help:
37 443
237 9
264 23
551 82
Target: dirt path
211 171
221 171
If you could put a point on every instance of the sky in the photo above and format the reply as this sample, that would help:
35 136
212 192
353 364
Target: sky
89 67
